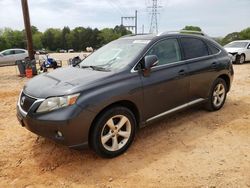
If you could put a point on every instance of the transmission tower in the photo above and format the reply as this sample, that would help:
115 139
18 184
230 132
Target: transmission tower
154 13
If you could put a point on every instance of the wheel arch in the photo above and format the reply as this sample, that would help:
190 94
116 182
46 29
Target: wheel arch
227 80
123 103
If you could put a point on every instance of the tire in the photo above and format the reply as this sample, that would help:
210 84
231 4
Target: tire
109 139
217 95
240 59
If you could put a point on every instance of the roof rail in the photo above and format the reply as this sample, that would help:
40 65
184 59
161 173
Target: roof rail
131 35
184 32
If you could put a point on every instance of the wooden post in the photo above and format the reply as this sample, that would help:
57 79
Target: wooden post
27 26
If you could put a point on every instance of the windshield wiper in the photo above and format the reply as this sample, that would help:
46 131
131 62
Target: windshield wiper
97 68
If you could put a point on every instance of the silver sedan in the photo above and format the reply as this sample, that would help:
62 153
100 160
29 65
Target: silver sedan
240 50
10 56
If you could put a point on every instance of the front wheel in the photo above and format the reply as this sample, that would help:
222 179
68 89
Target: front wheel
217 95
113 132
240 59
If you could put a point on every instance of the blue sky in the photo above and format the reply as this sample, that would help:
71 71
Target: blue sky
215 17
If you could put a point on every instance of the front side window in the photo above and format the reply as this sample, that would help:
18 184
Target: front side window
167 51
194 48
8 52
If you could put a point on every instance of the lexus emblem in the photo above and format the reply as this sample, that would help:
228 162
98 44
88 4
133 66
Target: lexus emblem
22 100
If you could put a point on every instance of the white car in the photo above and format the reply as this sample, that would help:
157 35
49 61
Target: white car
240 50
10 56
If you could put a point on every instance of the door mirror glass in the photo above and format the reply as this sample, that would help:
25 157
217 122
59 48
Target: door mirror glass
150 61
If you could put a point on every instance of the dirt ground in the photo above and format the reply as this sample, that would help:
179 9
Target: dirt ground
193 148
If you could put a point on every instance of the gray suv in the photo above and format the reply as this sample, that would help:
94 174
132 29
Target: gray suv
125 85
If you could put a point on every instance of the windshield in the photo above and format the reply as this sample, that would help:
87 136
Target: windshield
115 55
237 45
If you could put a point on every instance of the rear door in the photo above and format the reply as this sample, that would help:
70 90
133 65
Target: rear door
20 55
201 66
167 85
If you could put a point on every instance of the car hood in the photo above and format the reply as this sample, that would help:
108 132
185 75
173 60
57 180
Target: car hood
64 81
233 50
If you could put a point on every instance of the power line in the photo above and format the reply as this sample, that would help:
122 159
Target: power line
115 6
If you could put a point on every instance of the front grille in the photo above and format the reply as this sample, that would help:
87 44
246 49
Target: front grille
26 102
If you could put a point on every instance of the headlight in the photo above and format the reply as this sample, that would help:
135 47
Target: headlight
54 103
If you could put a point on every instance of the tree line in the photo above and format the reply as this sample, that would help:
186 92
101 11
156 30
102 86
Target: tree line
79 38
55 39
242 35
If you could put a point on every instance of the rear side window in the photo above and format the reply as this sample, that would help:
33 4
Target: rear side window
19 51
194 48
167 51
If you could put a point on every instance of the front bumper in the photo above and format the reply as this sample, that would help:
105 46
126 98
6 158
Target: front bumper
72 122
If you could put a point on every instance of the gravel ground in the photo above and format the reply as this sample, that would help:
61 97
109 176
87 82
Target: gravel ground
193 148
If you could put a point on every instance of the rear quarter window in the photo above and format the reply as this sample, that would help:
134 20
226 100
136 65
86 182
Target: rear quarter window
212 49
194 48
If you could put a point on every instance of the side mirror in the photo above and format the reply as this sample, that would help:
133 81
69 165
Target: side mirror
248 47
149 62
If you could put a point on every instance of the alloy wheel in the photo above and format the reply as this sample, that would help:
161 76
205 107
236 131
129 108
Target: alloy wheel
219 95
242 59
116 133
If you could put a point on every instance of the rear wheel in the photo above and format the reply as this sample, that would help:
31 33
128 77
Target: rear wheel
240 59
217 95
113 132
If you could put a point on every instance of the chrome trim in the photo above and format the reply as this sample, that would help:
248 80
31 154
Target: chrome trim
31 96
19 107
175 109
182 61
24 113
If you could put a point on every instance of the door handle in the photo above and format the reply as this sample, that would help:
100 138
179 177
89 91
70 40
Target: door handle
214 65
182 72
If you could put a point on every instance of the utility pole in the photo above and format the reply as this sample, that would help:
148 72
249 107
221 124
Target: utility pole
27 26
154 13
134 18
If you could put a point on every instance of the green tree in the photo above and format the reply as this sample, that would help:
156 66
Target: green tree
245 34
192 28
14 38
65 33
34 30
51 39
108 35
37 41
230 37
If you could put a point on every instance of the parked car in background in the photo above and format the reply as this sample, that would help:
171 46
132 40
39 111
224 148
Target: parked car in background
240 50
89 49
70 51
41 52
10 56
62 51
125 85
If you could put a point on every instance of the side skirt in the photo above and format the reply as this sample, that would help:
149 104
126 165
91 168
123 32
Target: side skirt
175 109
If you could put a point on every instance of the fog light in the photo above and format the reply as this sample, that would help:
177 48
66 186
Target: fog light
59 134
